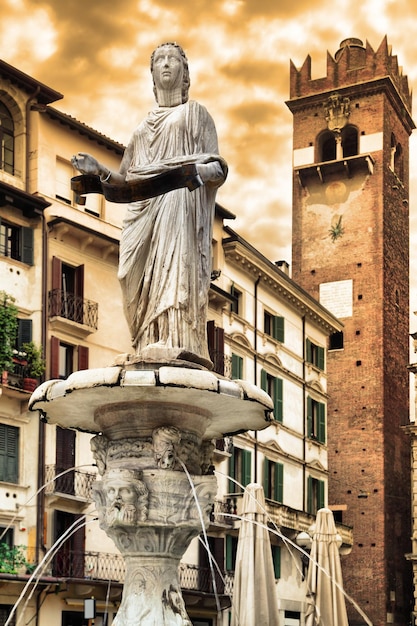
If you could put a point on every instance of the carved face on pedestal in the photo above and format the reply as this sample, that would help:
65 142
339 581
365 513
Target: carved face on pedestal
126 498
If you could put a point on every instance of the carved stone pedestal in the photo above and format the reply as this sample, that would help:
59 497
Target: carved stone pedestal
154 425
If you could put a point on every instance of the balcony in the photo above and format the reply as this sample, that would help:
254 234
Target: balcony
220 512
67 309
74 483
292 521
68 563
101 566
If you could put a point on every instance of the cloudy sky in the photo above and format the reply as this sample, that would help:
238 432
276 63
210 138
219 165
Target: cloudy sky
97 54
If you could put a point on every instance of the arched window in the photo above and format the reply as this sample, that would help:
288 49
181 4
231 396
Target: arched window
350 141
327 147
398 161
6 140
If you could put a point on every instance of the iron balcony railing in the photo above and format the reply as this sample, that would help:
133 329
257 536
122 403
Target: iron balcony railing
72 483
193 577
103 566
68 563
221 510
72 307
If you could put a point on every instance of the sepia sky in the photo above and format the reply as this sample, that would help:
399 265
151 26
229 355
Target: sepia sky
97 55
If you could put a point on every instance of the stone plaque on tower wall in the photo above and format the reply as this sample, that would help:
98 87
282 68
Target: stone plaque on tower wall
337 297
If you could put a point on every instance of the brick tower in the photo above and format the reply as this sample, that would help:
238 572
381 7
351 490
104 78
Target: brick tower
351 133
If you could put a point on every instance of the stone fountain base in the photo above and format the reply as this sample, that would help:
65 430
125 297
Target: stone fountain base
154 426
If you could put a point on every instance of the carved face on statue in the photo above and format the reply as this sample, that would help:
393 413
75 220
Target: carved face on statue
126 498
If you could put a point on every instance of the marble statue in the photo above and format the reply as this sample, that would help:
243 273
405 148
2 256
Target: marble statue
165 248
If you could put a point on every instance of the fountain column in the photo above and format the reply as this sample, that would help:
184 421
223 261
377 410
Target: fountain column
154 426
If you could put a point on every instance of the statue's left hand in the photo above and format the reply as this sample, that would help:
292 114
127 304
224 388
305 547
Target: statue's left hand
86 164
210 172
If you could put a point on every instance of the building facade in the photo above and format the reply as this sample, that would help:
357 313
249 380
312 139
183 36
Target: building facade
350 251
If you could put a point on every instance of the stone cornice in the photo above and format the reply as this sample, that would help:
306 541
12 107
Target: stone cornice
244 257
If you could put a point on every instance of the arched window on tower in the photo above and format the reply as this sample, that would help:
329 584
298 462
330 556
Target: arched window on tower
396 157
326 146
6 140
398 162
350 141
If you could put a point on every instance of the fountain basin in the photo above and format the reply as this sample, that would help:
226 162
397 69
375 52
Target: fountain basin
203 401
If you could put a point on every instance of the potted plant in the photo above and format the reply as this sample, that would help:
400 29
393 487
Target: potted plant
8 330
12 559
35 365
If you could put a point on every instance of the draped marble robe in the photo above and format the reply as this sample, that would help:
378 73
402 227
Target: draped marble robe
165 249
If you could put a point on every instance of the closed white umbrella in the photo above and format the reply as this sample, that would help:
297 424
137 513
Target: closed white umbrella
254 594
326 605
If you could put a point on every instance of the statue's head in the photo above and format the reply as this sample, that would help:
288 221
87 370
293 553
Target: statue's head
185 72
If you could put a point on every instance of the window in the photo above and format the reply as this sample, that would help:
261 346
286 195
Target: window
7 537
328 149
64 173
274 326
69 560
6 140
5 610
231 549
292 618
396 161
63 357
240 469
349 141
16 242
215 341
273 480
316 420
336 341
274 387
236 299
9 454
315 495
66 298
24 332
237 367
276 560
65 460
315 354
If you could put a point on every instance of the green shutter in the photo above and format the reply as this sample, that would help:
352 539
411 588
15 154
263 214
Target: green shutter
9 453
24 332
266 481
27 245
309 357
246 467
276 559
279 482
310 495
320 494
309 417
320 358
232 470
237 366
264 380
278 328
278 399
229 553
321 432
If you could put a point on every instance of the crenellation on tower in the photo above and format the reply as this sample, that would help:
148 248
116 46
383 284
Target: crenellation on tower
353 63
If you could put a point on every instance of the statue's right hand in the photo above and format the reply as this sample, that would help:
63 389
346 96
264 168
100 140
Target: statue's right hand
86 164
